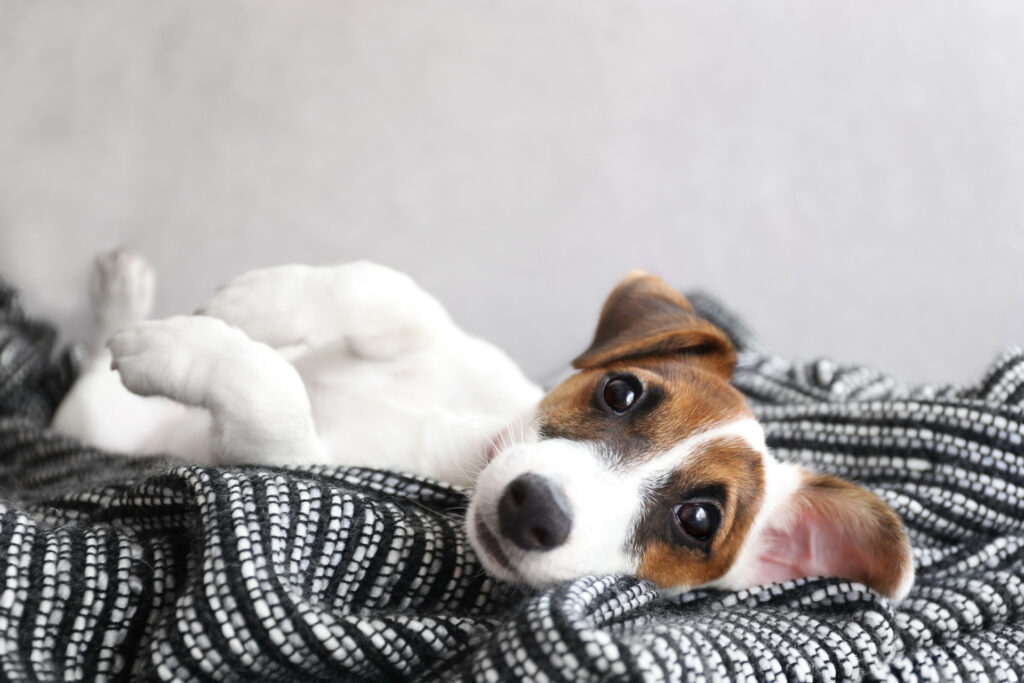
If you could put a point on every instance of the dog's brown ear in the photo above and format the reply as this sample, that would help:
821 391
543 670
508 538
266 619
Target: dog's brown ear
830 527
644 317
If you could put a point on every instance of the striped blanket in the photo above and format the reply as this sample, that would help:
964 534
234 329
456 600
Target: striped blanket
127 568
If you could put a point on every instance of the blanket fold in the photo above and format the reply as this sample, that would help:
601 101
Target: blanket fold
117 567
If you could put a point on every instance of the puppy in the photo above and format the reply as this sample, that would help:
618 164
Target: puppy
645 461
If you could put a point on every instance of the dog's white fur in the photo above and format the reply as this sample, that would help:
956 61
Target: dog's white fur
351 364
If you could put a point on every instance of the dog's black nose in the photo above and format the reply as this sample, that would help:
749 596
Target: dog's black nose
534 513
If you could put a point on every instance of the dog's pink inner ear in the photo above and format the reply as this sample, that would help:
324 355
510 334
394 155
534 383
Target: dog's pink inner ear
833 528
644 317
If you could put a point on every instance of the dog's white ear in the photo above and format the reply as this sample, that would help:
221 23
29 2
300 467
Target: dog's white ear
643 317
830 527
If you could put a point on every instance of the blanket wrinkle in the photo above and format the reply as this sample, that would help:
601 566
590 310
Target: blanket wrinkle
120 568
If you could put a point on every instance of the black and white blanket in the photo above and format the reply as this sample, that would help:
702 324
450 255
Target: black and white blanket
127 568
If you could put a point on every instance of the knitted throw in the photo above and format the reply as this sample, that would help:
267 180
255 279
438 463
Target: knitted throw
128 568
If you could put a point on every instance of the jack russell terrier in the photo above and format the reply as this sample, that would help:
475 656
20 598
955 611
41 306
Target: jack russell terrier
646 461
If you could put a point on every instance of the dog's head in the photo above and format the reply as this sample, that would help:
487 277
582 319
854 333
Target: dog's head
647 461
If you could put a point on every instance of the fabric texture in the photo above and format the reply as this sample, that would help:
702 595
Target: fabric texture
128 568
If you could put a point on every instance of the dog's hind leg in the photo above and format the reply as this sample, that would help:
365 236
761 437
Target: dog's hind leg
121 290
98 409
257 402
362 308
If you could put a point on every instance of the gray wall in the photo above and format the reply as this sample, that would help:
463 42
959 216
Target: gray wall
848 175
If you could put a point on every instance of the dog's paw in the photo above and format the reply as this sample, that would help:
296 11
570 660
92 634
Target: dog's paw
121 287
266 304
179 357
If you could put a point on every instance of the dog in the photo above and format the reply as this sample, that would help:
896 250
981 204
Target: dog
644 461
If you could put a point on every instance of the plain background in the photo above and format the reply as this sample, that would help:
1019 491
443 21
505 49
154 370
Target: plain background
848 176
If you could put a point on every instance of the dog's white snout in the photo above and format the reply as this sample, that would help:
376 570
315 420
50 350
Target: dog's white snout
567 479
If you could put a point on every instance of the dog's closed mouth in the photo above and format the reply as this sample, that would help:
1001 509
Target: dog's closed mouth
490 543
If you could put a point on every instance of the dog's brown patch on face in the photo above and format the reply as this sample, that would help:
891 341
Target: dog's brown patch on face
650 332
678 399
726 472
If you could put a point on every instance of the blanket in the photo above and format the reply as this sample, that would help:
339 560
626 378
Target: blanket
117 567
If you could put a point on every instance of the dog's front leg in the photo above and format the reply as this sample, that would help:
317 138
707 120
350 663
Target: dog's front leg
260 410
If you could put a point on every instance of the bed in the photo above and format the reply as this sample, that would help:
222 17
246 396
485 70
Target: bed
119 567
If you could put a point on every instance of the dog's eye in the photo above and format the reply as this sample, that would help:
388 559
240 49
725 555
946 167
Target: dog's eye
699 521
620 393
